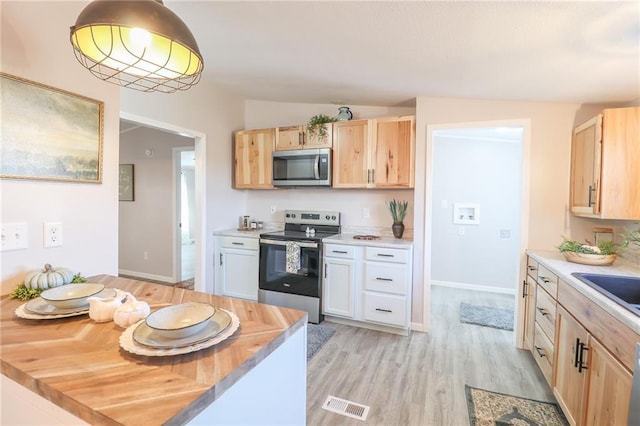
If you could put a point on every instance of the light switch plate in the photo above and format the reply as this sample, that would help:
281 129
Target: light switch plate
14 236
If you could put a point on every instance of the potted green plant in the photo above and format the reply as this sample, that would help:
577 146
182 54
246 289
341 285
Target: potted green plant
398 211
316 126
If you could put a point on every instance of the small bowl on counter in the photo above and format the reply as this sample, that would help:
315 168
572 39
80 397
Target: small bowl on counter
70 296
178 321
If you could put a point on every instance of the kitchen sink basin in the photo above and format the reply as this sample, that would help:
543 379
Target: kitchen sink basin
625 290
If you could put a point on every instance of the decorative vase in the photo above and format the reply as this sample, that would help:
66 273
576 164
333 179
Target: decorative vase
398 229
344 114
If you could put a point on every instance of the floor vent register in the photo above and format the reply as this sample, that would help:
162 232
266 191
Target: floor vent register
346 408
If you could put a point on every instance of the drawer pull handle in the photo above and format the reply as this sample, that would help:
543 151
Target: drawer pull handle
385 255
540 353
237 244
383 279
532 268
544 279
543 312
338 251
384 310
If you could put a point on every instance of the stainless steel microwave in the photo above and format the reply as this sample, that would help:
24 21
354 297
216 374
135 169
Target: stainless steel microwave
304 167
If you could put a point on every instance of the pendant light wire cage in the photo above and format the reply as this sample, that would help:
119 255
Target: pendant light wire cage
137 44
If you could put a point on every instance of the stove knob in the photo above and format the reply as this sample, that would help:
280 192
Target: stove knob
333 217
327 217
293 215
287 215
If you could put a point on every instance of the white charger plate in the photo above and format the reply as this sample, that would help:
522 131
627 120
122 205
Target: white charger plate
38 308
130 345
215 325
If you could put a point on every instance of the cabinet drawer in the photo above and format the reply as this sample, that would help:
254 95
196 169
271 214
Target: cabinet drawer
239 243
548 280
387 309
385 278
543 353
343 252
532 267
546 313
381 254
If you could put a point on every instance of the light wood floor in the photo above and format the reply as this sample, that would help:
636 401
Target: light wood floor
419 380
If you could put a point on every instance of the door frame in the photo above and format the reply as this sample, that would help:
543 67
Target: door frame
177 209
519 303
200 144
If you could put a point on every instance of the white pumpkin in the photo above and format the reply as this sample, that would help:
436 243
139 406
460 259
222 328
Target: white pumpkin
131 312
48 277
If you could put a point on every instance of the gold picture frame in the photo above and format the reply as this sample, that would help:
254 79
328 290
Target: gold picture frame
49 134
126 182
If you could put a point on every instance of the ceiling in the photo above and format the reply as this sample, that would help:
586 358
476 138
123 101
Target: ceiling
388 53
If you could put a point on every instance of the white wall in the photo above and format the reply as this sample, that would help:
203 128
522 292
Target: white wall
35 46
487 173
216 114
146 224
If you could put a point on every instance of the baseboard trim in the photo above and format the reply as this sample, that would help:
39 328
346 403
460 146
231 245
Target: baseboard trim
465 286
370 326
154 277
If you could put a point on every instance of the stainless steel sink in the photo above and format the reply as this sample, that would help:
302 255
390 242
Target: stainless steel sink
625 290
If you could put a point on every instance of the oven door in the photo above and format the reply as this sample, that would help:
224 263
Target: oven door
273 268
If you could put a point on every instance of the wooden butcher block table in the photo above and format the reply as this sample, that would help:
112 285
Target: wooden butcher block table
78 364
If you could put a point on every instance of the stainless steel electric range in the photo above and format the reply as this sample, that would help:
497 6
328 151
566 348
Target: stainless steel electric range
291 261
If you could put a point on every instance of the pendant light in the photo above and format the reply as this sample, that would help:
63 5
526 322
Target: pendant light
139 44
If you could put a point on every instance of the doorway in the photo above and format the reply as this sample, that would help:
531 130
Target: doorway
197 217
477 220
184 171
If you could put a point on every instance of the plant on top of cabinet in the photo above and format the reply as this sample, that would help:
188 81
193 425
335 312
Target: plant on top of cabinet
316 126
605 166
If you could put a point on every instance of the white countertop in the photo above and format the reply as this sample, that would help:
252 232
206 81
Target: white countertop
389 242
556 262
253 233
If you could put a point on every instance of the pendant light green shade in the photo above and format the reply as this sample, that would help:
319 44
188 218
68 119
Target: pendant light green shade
138 44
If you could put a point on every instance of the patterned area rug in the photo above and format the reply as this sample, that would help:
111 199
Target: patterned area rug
487 316
317 336
491 408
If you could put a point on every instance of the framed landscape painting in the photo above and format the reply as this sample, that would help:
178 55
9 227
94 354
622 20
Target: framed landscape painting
49 134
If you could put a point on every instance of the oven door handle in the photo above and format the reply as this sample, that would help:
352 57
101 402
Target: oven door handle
284 243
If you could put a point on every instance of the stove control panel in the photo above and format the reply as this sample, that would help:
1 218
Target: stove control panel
310 217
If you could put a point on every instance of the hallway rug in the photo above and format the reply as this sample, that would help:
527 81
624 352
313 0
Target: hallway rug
317 336
487 316
491 408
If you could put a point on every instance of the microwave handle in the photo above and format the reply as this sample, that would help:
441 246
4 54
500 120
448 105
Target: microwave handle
316 167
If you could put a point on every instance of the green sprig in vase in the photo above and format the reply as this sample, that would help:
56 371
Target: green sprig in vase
398 211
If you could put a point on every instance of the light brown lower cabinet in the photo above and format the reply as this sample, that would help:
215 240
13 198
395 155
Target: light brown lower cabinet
591 386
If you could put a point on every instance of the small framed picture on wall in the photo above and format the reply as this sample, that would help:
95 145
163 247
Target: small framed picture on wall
126 182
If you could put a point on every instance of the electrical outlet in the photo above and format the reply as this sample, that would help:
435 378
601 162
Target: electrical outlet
273 210
52 234
365 213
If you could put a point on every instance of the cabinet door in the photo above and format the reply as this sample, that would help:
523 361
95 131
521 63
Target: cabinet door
609 388
238 273
289 138
350 154
585 166
317 142
529 312
253 159
392 152
570 379
620 191
339 287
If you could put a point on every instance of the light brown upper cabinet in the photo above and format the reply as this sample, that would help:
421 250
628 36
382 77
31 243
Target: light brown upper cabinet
376 153
297 137
605 166
253 158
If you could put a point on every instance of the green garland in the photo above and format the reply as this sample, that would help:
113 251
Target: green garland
23 292
606 247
